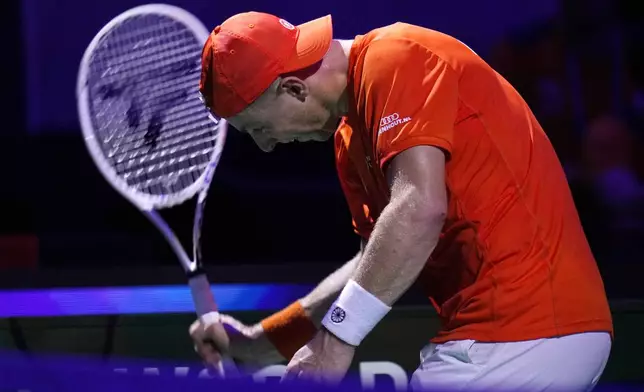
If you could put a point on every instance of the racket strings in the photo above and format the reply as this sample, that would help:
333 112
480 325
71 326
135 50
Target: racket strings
156 100
131 154
169 183
169 164
166 91
140 45
179 133
175 148
125 140
168 76
148 118
147 70
149 169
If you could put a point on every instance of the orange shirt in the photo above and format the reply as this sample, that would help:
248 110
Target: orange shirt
512 262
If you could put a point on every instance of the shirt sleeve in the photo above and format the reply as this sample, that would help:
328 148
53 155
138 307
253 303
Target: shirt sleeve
410 98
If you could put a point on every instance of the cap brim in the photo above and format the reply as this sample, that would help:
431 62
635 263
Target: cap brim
313 42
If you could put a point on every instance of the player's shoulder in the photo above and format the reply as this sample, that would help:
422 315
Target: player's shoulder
395 42
404 41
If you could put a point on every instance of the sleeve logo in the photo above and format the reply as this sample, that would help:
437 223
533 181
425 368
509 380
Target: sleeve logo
391 121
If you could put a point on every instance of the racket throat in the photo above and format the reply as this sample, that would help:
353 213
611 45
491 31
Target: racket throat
195 271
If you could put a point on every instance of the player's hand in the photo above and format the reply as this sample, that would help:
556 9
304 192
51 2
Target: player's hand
247 344
325 359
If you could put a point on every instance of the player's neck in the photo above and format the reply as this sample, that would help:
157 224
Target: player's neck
336 63
346 46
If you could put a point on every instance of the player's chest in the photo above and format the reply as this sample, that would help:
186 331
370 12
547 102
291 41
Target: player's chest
361 164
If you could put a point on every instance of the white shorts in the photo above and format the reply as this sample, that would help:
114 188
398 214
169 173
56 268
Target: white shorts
570 363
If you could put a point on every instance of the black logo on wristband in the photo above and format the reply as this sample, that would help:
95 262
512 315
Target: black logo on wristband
337 315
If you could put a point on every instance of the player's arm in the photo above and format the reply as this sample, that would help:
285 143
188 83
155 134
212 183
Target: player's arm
292 327
402 240
277 337
280 335
409 227
317 302
420 91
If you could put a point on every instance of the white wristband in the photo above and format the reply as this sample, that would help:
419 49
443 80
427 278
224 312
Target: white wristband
354 314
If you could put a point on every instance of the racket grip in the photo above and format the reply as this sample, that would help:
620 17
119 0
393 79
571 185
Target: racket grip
203 298
207 310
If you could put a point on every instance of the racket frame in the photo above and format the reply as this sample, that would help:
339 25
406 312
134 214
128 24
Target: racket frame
143 201
203 298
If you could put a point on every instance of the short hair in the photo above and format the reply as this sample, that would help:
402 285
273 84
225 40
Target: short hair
258 104
303 74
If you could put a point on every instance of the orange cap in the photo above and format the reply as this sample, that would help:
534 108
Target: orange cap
243 56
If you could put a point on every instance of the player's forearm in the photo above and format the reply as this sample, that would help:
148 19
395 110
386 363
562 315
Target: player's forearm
402 241
292 327
317 302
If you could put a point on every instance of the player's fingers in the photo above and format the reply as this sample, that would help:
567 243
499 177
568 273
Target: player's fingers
195 329
293 372
231 326
213 334
217 335
210 359
203 345
208 353
213 360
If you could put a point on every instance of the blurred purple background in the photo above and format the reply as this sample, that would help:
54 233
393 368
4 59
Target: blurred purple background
579 64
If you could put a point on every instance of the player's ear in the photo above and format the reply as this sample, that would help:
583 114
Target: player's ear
295 87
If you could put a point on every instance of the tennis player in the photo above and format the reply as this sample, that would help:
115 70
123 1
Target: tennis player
450 180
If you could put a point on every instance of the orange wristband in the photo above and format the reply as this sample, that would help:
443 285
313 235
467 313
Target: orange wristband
289 329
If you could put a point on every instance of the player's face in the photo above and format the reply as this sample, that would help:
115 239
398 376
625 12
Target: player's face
292 115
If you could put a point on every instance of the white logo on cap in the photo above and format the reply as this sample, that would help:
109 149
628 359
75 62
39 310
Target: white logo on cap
286 24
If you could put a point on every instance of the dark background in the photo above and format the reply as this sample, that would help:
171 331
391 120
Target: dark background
281 217
579 64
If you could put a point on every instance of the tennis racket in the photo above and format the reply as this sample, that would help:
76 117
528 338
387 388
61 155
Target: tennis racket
146 127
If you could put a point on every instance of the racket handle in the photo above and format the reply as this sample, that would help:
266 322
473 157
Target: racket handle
203 297
207 310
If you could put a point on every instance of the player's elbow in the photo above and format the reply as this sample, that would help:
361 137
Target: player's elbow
427 210
433 215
